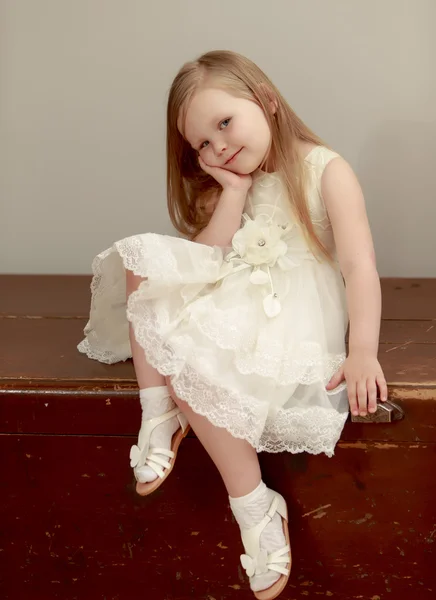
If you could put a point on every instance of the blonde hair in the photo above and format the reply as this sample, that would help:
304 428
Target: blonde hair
189 188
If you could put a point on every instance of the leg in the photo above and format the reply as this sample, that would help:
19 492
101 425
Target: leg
235 459
155 401
250 499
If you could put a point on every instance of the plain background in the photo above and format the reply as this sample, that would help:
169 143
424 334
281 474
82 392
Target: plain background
83 89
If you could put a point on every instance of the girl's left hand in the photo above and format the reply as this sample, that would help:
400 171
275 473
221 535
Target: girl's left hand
363 373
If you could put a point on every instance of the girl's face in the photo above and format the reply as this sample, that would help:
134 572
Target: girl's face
226 131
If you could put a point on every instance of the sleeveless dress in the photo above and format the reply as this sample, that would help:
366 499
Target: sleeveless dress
249 335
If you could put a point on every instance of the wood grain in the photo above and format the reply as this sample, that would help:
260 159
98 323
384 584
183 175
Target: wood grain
363 524
360 523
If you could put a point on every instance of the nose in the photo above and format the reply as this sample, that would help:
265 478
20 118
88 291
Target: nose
220 147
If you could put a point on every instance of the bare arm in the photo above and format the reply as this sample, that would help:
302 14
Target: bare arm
345 205
226 218
346 208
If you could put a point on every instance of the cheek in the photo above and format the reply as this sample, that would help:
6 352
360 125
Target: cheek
263 133
241 135
261 128
208 156
255 134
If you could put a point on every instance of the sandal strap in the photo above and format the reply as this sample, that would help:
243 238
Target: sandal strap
157 460
251 537
264 562
279 556
153 423
256 560
153 460
154 463
163 451
156 468
139 452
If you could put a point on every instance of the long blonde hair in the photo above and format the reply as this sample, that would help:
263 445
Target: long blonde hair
188 187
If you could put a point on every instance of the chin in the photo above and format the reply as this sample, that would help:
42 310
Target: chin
243 171
247 169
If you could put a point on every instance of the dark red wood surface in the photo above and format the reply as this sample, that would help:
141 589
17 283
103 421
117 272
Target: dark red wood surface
68 296
44 349
363 524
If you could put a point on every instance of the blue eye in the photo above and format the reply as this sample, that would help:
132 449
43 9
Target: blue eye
224 123
222 126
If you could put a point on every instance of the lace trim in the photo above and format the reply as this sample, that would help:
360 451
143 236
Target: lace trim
305 364
137 257
103 355
312 429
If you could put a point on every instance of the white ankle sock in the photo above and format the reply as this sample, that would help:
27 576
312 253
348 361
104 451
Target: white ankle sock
249 510
156 401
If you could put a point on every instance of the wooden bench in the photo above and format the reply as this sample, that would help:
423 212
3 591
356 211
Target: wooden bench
363 524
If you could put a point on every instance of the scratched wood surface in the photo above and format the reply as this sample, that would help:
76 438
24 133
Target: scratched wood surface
363 524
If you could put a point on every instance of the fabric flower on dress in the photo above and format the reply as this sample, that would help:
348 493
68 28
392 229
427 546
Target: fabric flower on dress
259 242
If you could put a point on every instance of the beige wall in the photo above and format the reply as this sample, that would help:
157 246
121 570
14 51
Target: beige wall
83 87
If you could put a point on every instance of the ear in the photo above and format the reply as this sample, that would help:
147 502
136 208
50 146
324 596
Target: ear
273 102
274 106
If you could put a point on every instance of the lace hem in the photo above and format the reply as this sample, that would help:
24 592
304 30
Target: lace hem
105 356
138 258
313 429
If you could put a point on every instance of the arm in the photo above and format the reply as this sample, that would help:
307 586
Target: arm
225 220
345 205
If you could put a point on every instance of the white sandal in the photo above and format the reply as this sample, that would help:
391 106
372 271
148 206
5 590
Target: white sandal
257 561
150 456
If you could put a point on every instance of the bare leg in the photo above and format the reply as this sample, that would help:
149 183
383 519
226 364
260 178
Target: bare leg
235 459
155 400
250 499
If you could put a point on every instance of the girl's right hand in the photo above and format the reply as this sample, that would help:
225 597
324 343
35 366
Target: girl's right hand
227 179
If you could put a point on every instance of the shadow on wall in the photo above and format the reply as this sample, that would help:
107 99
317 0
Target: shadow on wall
397 170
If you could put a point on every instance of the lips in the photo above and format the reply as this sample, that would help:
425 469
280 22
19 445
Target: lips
233 157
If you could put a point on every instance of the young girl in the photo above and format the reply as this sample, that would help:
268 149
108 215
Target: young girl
239 330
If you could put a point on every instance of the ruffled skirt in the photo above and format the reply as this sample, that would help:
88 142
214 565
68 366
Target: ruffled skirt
204 325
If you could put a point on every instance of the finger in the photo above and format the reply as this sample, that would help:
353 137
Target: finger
383 388
212 171
352 398
203 165
337 378
372 395
362 397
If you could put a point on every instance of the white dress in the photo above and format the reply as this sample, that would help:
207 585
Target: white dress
250 335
